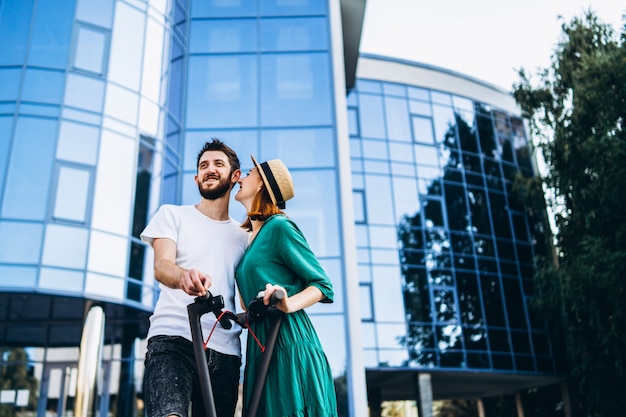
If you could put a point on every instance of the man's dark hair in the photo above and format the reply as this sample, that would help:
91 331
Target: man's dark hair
218 145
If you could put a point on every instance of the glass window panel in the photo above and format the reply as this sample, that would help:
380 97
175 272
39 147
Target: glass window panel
153 81
394 89
426 155
104 286
361 232
423 130
52 31
420 338
448 337
368 86
387 294
375 149
300 34
365 304
353 121
61 279
359 206
310 210
90 50
18 276
444 122
26 193
223 8
441 98
98 12
515 303
371 116
433 213
295 90
10 82
299 148
420 108
14 30
121 104
72 194
107 254
331 332
383 237
390 336
219 36
6 134
43 86
378 200
479 210
419 93
376 167
78 143
401 152
403 170
397 118
292 7
492 299
521 342
127 46
500 215
20 242
469 299
499 340
114 183
385 256
392 357
84 92
65 246
406 200
223 93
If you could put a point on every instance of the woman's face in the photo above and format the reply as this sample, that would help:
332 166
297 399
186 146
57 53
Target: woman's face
249 185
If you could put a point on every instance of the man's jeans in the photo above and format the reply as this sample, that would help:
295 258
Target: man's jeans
171 379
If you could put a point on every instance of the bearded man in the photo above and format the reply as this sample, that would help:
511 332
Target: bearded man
196 247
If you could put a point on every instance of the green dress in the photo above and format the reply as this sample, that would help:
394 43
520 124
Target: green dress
299 381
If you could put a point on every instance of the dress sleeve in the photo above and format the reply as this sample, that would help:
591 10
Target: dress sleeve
162 225
298 256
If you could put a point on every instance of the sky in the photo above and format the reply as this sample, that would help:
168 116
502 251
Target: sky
485 39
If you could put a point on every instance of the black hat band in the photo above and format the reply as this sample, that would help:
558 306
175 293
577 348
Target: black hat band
273 185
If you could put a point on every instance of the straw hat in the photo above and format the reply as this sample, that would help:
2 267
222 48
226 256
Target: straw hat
277 180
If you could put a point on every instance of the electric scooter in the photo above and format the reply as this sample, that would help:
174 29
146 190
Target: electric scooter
256 310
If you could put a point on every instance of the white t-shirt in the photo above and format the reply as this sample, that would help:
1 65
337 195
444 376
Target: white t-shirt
214 247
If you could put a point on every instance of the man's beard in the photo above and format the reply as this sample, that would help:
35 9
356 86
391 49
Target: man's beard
218 191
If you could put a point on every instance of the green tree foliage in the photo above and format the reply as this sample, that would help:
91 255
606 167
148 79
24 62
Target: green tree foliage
577 111
17 375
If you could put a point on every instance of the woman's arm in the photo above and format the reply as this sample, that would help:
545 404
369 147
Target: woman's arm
305 298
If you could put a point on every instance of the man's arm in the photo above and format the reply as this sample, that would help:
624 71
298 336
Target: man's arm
192 281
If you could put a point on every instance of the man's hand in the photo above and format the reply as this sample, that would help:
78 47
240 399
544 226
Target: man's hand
195 282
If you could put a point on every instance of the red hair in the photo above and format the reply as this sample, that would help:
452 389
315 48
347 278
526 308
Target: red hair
262 208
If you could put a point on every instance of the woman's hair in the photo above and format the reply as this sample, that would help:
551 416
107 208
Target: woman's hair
262 208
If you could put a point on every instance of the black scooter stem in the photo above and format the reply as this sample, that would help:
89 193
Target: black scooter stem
195 311
263 367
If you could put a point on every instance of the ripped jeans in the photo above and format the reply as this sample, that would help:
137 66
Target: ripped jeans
171 381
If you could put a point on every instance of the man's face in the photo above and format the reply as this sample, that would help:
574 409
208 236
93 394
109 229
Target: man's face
214 178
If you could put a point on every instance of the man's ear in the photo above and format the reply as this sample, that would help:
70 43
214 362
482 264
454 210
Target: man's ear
235 176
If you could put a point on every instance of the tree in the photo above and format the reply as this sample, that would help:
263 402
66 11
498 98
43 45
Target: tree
576 114
17 375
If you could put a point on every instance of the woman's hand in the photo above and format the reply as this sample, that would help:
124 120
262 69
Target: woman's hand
303 299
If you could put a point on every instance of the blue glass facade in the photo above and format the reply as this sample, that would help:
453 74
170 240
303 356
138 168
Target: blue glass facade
403 188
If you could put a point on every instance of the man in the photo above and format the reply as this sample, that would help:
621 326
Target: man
196 248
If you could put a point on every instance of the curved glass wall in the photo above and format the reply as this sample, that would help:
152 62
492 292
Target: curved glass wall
84 157
445 247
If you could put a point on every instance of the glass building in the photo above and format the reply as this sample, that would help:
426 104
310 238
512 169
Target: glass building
403 176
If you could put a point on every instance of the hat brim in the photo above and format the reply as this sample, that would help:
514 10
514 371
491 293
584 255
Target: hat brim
264 178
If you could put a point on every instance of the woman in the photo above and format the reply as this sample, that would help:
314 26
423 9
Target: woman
299 381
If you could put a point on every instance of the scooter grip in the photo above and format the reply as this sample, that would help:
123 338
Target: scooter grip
277 297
